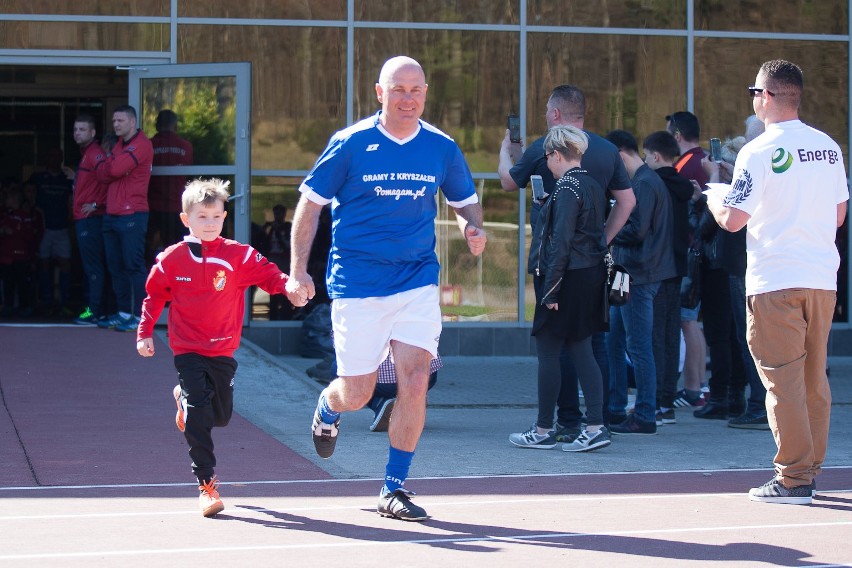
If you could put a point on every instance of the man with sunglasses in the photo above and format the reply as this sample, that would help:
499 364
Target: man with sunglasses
789 189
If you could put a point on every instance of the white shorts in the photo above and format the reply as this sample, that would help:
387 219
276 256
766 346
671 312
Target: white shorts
364 327
56 243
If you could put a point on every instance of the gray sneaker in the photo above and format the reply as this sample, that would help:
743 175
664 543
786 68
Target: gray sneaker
397 505
588 441
532 439
773 492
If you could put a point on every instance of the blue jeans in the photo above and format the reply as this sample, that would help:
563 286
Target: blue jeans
757 392
124 243
90 240
630 331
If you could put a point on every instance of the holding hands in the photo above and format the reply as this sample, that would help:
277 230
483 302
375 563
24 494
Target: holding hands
476 239
300 289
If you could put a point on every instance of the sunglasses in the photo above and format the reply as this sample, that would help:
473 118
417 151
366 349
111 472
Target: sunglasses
752 91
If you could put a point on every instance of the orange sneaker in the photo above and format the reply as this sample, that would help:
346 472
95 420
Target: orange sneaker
180 417
209 499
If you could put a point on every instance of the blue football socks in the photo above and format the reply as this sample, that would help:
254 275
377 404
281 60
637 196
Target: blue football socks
326 414
396 471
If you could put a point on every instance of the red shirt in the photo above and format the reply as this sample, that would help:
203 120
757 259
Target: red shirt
205 283
87 188
127 171
164 193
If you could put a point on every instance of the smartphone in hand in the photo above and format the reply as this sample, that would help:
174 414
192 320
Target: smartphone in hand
514 125
715 150
537 188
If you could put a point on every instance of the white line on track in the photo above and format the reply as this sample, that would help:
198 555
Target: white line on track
520 538
412 479
369 505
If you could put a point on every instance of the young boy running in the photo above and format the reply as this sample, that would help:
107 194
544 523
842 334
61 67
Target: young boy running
205 278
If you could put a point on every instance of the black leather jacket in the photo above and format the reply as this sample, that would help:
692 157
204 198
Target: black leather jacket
571 231
644 245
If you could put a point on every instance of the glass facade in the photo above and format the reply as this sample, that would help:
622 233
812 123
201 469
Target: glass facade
314 66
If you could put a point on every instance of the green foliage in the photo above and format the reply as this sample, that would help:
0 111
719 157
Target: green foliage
206 115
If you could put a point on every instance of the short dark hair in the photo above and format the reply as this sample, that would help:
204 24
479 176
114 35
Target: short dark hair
166 119
569 99
128 110
663 143
783 73
87 118
684 122
623 140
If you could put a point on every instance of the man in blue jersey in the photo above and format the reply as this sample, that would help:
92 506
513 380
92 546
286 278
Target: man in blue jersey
381 176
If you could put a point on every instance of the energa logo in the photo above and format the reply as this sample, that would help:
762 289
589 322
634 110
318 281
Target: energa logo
781 161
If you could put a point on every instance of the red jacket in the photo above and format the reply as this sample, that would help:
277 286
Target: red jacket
87 188
127 171
205 283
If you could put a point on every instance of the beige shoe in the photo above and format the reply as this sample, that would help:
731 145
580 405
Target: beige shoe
209 499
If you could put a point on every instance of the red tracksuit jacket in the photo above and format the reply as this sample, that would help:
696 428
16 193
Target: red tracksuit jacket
206 284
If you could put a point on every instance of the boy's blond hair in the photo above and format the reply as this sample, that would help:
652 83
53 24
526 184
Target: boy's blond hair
204 191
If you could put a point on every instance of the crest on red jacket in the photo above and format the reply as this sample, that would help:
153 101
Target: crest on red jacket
219 281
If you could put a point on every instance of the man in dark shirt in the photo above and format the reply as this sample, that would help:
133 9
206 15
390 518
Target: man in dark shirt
53 197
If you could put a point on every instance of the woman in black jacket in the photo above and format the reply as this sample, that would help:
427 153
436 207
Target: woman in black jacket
570 276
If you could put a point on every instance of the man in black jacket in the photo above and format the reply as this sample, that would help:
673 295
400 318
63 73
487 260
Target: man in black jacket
643 247
661 153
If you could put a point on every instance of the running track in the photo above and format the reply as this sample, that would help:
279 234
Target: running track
94 474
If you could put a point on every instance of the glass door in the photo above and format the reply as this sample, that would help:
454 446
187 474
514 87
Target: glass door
198 117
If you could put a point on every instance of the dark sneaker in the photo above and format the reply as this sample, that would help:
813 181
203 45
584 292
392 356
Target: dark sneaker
86 318
567 434
130 323
666 417
588 441
110 322
712 411
325 435
616 419
532 439
773 492
397 505
683 400
813 488
634 426
750 421
382 419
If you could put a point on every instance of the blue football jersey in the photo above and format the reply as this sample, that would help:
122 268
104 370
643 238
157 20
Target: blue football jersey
383 195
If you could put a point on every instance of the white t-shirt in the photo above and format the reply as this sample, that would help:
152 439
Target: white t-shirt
790 180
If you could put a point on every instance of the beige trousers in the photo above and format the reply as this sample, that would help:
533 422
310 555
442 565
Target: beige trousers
787 333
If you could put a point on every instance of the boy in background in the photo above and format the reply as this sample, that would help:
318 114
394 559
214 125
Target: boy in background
205 278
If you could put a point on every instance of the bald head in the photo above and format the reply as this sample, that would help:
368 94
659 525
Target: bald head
395 64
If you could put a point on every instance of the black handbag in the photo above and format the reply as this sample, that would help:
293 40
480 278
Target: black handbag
690 286
618 283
